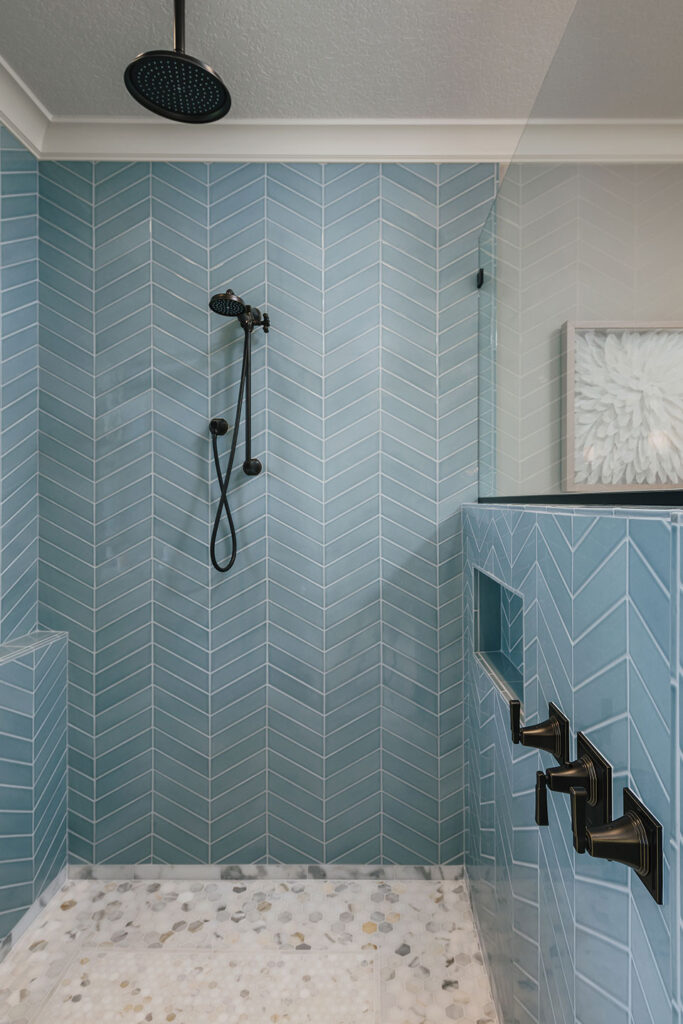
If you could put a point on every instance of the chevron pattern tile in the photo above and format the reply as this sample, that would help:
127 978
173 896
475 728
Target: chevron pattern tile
653 640
238 653
18 420
571 938
487 351
409 550
16 791
33 789
288 711
67 463
123 513
49 759
351 401
465 193
296 508
181 610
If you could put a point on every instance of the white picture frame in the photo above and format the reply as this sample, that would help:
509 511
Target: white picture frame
573 332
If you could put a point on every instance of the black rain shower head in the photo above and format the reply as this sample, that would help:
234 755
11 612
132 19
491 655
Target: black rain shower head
227 304
175 85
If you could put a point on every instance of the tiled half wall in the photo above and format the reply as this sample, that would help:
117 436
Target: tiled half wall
33 797
568 938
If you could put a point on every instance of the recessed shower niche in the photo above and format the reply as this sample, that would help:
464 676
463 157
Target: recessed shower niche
499 633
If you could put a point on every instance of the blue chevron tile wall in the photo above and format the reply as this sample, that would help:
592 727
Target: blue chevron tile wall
19 406
569 938
33 789
66 482
309 706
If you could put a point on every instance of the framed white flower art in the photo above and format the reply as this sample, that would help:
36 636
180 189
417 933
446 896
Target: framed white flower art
623 406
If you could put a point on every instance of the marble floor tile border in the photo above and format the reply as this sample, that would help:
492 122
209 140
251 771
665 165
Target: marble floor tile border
237 872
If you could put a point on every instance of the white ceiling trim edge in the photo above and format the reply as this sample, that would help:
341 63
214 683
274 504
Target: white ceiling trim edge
362 141
426 141
313 141
21 111
601 141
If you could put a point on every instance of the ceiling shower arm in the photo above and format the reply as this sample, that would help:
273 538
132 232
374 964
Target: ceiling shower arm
179 26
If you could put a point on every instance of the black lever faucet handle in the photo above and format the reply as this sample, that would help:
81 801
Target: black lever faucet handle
541 815
577 773
579 799
551 735
623 840
515 719
543 736
634 839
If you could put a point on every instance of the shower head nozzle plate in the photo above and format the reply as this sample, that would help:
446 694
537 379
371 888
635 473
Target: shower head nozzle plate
177 86
227 304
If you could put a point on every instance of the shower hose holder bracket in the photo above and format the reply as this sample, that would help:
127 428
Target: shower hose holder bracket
252 467
218 427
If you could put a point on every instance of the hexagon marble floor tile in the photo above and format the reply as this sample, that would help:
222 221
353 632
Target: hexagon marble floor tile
249 952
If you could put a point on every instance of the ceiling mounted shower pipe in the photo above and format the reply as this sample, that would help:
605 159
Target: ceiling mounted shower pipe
179 26
173 84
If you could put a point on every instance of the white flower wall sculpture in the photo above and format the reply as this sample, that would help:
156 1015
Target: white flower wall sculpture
628 407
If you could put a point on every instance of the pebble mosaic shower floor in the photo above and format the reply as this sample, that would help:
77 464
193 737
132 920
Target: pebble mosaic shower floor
249 952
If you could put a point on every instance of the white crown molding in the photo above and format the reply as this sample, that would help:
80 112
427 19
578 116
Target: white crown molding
369 141
21 111
414 141
291 140
601 141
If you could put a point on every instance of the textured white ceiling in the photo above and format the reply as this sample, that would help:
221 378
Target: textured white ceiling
617 59
297 58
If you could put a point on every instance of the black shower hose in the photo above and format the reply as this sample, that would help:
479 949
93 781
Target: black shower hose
224 481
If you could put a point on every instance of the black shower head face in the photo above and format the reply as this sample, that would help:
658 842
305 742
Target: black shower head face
177 86
227 304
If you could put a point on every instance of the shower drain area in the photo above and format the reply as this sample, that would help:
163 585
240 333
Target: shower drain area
357 951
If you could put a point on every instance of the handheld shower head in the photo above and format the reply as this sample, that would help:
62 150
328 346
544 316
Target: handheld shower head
227 304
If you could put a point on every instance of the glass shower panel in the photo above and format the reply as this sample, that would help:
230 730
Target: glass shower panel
581 310
487 356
